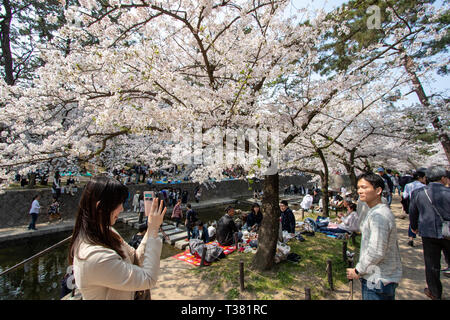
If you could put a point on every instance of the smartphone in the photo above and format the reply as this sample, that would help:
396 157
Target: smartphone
148 195
148 198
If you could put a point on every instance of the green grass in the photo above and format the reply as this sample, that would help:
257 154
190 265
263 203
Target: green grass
287 280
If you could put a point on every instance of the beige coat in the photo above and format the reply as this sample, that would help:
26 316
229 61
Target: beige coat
101 274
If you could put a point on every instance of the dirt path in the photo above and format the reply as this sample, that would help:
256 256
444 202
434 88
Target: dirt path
174 284
413 282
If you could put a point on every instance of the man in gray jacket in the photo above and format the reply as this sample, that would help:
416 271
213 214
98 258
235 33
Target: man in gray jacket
379 267
427 222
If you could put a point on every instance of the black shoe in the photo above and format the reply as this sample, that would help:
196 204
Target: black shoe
411 243
429 294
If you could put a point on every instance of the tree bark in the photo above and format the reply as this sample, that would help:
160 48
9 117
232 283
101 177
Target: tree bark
350 167
268 232
423 98
324 179
6 43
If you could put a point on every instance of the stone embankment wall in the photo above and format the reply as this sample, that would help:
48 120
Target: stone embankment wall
15 204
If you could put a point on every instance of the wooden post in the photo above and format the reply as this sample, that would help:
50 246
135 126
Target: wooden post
202 262
350 263
307 294
330 274
236 240
241 274
344 251
353 238
303 214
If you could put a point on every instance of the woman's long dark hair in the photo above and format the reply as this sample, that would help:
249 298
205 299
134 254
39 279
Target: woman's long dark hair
94 222
253 209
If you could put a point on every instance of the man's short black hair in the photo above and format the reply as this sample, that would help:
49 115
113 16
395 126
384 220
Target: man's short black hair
374 179
389 171
189 206
284 202
199 223
418 174
228 208
352 206
435 173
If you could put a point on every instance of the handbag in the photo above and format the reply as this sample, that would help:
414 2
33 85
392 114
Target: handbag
445 224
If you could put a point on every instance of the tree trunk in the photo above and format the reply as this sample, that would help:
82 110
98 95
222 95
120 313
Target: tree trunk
351 172
32 180
420 92
324 178
6 43
268 232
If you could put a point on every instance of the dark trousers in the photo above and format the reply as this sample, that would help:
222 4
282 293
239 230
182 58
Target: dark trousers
190 231
432 255
32 225
410 233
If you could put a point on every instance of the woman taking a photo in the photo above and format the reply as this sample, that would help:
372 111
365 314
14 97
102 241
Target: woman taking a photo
105 266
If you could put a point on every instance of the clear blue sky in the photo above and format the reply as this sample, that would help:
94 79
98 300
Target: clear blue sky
441 83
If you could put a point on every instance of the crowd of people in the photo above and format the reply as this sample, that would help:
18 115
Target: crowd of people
425 198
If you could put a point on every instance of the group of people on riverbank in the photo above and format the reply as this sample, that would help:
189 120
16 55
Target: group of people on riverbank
379 267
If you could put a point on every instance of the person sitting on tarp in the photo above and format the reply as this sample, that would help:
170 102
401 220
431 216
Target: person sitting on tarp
226 228
137 238
200 232
347 224
254 219
212 231
287 217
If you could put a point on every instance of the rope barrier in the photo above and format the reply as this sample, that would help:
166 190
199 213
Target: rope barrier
37 255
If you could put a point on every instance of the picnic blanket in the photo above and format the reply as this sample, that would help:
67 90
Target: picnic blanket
186 256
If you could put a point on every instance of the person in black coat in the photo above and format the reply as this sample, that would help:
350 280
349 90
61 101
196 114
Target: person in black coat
226 228
428 209
287 218
191 218
255 217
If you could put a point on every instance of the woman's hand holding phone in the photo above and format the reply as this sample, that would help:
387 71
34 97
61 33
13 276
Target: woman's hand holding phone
155 214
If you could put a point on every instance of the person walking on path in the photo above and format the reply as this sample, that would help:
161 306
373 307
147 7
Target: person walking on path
388 185
136 203
141 208
34 211
396 182
191 218
177 214
428 211
419 182
379 267
105 267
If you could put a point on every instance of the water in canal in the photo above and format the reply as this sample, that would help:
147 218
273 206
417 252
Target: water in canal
41 278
